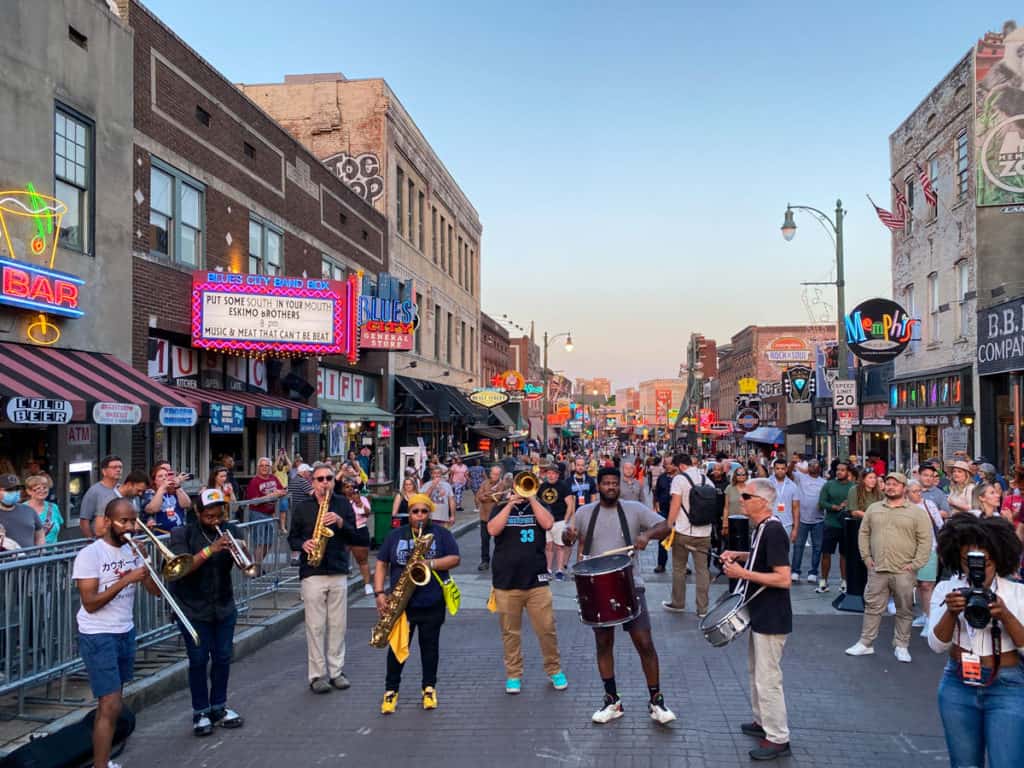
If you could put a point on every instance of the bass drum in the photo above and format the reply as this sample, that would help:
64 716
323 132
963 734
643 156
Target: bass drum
605 591
726 621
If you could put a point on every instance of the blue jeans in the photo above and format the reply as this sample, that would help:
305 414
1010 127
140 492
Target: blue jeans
983 721
815 531
212 656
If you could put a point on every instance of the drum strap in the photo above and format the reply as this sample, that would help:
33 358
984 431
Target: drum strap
588 540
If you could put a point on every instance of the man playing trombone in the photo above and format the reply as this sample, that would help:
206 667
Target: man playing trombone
106 572
206 596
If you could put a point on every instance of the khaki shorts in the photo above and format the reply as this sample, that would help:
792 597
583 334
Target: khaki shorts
555 533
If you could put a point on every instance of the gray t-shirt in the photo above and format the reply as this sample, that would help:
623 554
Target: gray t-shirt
630 490
95 501
608 532
439 493
21 523
936 495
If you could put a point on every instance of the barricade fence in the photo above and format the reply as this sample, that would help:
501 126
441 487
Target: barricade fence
39 602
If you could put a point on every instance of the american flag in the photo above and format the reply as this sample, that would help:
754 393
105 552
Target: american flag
893 221
901 203
926 186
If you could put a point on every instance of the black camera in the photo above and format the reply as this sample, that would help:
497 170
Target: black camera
979 599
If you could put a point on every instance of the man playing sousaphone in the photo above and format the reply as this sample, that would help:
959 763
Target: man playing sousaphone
771 616
609 524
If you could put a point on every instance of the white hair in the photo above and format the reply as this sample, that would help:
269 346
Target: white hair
763 487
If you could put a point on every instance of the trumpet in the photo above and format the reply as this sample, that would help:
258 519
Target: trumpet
238 554
174 566
524 485
185 623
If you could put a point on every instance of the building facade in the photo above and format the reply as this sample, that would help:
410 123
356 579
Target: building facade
495 352
597 387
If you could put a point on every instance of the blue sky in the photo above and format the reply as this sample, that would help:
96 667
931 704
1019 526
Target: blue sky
631 162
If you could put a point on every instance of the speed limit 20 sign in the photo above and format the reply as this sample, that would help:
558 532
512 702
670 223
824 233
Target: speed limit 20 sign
844 394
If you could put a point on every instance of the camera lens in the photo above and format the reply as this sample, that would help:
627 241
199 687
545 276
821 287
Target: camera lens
977 612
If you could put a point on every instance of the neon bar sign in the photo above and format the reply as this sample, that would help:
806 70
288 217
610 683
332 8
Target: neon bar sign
28 286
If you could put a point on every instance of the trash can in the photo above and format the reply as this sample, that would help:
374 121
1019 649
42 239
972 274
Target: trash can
852 599
380 506
739 539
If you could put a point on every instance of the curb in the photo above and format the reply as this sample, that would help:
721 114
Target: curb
138 696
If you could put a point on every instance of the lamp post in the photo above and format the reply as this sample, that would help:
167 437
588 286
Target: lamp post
788 231
544 377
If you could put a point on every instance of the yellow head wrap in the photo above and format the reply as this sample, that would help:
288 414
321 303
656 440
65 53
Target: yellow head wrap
421 498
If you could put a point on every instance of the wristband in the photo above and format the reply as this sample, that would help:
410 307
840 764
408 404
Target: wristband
207 553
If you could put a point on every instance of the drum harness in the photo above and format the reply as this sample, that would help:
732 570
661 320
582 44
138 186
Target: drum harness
588 539
744 584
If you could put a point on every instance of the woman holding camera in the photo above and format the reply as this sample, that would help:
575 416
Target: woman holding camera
976 618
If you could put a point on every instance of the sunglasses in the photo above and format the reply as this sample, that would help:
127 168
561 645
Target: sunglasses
419 510
324 479
749 496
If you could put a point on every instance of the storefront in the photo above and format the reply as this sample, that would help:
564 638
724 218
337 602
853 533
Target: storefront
353 419
1000 379
438 414
932 411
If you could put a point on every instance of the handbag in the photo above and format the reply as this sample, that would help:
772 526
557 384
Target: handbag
450 590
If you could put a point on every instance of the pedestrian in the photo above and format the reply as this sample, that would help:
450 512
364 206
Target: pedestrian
604 524
895 542
99 495
365 459
164 503
425 610
812 520
787 497
865 492
833 501
719 478
264 485
663 502
324 586
219 482
490 492
228 462
771 617
688 538
631 489
206 597
300 485
521 581
477 475
928 574
458 476
442 494
20 521
981 694
928 475
37 488
961 489
400 504
555 496
360 544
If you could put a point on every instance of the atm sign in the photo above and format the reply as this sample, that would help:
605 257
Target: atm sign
29 286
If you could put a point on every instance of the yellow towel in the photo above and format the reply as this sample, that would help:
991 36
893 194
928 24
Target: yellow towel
492 602
666 543
399 639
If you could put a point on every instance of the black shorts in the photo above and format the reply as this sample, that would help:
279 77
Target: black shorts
641 622
831 540
361 538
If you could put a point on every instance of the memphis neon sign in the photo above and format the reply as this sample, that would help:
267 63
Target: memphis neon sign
28 286
878 330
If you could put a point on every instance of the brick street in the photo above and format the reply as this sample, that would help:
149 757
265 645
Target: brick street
842 711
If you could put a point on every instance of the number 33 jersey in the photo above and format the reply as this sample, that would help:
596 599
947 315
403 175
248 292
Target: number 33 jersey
519 561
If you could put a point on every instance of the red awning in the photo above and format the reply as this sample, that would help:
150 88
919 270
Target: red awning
81 378
252 401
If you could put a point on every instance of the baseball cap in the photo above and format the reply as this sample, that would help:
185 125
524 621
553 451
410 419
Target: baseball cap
9 482
899 477
212 496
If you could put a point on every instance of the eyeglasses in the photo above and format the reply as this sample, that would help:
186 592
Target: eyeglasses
323 479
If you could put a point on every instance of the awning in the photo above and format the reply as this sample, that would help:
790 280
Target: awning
502 417
809 427
81 378
257 405
497 433
355 411
767 435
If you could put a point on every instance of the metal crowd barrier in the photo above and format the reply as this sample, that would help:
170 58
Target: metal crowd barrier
39 602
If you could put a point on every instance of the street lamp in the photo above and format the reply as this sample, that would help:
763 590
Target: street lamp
544 376
836 226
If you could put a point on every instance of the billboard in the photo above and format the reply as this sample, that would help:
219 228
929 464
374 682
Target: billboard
999 118
266 315
662 403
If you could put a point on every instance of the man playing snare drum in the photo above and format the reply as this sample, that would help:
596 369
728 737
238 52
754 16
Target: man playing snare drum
771 617
642 524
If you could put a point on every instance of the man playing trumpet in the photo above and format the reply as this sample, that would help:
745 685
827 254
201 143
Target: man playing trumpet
205 595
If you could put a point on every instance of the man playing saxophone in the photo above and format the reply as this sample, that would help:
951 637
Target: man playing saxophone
325 583
206 596
426 607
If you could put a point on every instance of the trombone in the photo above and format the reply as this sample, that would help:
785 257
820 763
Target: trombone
524 485
174 566
185 623
238 554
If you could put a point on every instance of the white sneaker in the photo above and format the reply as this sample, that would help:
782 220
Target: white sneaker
112 764
660 713
842 586
811 578
368 589
822 587
902 654
890 607
924 632
859 649
610 711
920 621
796 577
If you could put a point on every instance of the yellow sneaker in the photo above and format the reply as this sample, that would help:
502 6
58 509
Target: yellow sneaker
429 698
390 702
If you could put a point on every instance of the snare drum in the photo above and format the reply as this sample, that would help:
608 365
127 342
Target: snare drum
726 621
605 591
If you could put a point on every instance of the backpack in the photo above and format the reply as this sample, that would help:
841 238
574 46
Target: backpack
704 508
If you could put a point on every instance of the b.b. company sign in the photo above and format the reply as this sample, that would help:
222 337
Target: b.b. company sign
1001 338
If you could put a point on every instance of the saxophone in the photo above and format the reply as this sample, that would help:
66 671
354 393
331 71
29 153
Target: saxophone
321 533
416 574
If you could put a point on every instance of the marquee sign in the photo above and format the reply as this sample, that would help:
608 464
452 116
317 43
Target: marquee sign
280 316
387 320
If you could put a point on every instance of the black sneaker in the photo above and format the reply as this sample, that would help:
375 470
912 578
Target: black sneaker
769 750
752 729
226 718
659 569
201 725
484 565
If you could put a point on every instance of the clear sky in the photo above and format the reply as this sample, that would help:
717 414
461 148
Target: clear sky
631 162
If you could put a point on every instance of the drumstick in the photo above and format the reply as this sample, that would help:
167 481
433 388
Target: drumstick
619 551
705 552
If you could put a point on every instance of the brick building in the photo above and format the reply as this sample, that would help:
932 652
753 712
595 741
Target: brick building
495 353
602 388
220 187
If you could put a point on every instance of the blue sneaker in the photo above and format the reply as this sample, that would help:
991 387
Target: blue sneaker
560 576
558 680
513 685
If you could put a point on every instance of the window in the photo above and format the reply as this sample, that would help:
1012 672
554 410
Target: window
933 176
331 270
962 279
910 203
176 208
910 303
433 233
418 332
202 115
470 267
448 339
934 326
472 349
451 251
419 221
462 339
265 248
72 169
399 219
961 164
412 193
437 331
442 243
460 261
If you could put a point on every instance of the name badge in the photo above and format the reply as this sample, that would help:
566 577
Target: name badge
970 668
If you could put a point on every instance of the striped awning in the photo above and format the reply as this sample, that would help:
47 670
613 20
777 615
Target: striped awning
253 402
81 378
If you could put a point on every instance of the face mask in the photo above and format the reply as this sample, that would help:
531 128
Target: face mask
10 498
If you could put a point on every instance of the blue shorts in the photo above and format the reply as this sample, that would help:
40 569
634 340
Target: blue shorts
109 659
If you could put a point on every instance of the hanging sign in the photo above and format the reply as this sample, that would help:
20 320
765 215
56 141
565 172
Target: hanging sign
788 349
227 419
310 420
533 390
798 384
273 413
488 398
116 413
747 386
38 410
79 434
748 419
878 330
176 416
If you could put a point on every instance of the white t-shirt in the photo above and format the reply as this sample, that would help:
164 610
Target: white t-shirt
681 488
101 561
977 641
